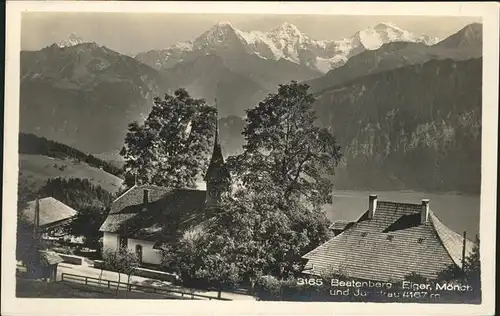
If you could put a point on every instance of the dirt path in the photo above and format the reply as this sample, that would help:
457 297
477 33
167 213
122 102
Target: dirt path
113 276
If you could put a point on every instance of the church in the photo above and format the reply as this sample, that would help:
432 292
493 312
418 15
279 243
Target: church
148 216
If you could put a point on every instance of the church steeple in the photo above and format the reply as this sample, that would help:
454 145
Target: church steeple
217 176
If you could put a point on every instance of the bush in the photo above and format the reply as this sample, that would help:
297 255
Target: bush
66 250
270 288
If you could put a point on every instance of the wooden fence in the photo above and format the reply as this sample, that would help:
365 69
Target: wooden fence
132 287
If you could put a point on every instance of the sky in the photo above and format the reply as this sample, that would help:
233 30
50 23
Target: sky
131 33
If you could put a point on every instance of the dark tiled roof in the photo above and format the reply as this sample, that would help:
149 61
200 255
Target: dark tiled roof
51 211
134 196
389 246
339 225
48 258
168 214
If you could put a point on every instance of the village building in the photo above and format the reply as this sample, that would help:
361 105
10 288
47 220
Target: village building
387 243
147 217
53 214
46 216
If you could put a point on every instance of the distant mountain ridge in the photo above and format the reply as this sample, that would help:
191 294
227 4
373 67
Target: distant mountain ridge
415 128
463 45
285 42
84 95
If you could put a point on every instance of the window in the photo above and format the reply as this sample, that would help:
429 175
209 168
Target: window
123 242
138 252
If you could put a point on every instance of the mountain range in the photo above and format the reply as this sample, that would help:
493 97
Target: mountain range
84 95
285 42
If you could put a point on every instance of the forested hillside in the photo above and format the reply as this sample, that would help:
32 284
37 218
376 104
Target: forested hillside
416 127
34 145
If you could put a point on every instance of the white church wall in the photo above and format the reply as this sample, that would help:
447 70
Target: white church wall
149 255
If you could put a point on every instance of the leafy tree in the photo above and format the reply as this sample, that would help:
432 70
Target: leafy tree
284 177
25 192
202 260
121 261
87 223
172 147
27 242
284 146
273 215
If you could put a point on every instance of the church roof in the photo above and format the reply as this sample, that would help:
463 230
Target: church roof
168 213
216 169
389 246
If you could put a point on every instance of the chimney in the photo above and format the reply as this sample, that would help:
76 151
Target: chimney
372 205
145 199
424 212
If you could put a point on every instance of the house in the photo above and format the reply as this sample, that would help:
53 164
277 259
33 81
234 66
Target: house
147 216
388 242
46 215
53 214
44 266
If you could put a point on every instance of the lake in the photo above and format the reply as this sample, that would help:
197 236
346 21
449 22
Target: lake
459 212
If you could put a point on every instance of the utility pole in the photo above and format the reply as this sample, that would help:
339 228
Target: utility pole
36 220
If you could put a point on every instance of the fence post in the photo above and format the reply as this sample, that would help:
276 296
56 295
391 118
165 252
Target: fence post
109 285
86 279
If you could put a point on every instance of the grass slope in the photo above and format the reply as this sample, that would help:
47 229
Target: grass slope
37 169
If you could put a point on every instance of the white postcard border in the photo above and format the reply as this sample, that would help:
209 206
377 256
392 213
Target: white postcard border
16 306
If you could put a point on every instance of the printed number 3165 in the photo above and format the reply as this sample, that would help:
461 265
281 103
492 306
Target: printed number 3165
312 282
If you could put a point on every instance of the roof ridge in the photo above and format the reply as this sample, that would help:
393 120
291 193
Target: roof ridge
121 195
400 203
189 189
434 219
44 198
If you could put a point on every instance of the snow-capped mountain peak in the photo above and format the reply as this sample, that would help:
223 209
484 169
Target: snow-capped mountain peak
286 28
286 42
224 24
386 32
220 32
72 40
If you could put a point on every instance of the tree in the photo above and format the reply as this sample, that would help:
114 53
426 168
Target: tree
76 193
87 223
284 145
284 176
121 261
27 242
203 260
272 215
172 147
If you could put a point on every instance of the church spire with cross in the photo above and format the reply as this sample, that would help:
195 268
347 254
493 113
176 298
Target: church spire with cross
217 175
